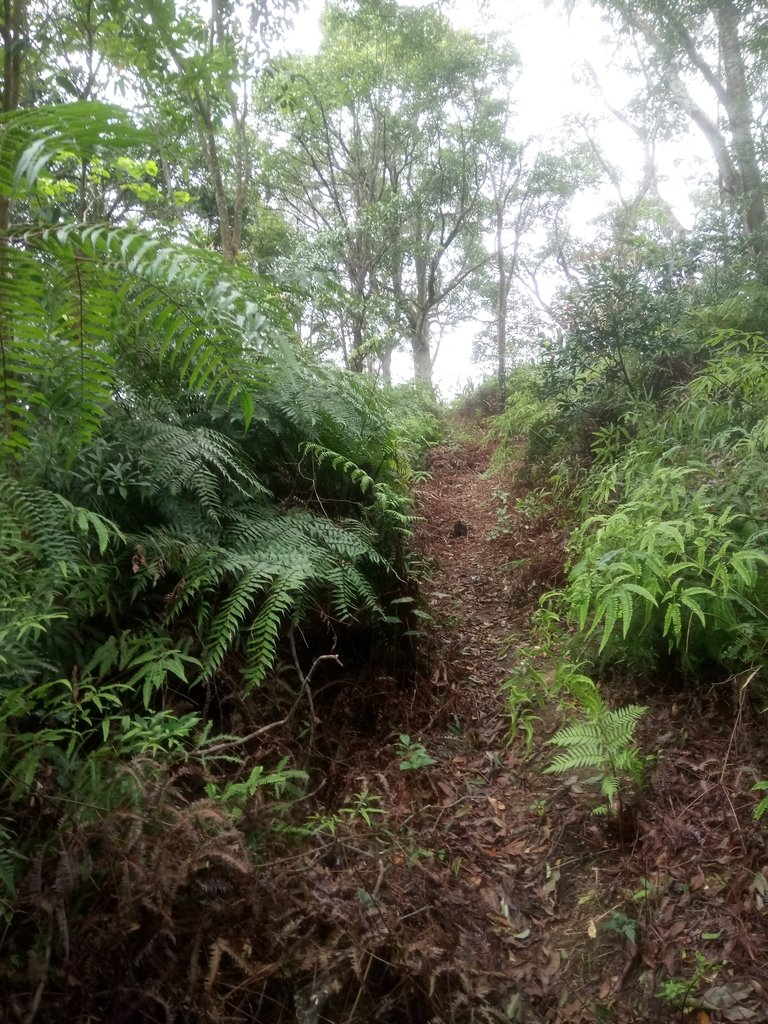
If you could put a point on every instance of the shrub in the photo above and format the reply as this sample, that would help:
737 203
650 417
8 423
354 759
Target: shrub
674 559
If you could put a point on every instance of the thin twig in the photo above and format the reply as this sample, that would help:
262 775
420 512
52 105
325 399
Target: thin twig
739 717
304 680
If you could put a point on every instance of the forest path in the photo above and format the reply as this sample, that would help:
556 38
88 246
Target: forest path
493 559
490 563
470 592
555 921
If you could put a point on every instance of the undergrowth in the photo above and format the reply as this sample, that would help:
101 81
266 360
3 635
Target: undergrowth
196 515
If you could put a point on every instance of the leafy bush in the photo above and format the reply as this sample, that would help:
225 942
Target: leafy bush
419 418
478 402
524 408
181 487
674 559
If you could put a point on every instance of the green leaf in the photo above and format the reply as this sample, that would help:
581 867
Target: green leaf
694 606
673 627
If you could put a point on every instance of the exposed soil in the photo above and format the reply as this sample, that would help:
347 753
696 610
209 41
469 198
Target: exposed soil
444 878
492 563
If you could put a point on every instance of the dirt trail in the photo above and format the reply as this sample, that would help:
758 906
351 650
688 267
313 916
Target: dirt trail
490 568
570 926
491 564
471 589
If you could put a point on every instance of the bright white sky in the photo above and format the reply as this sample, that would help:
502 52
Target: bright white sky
552 49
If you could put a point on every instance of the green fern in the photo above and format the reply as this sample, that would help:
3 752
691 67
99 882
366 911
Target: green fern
604 741
74 295
265 567
154 405
762 807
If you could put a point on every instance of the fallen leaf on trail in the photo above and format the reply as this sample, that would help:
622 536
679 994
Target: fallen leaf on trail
760 884
519 846
669 959
592 929
552 967
722 997
515 1008
740 1013
550 886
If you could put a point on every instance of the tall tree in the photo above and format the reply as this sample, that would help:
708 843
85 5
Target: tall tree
385 127
712 57
332 179
194 74
527 189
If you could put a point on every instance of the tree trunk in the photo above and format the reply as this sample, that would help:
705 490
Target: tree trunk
736 158
682 96
501 308
211 149
12 34
356 354
386 366
738 108
422 357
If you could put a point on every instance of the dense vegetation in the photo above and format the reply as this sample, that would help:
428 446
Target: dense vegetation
209 253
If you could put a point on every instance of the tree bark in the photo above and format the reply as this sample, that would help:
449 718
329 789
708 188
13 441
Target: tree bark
738 107
422 355
13 36
356 355
12 31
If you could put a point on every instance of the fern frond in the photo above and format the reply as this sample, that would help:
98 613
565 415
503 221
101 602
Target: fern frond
582 757
226 623
264 634
199 461
31 139
604 741
72 294
266 566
